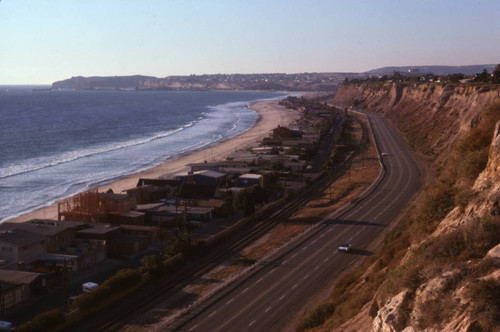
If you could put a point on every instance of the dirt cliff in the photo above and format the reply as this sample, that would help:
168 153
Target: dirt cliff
439 268
457 281
432 116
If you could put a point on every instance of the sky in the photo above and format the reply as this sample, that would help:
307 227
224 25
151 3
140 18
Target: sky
46 41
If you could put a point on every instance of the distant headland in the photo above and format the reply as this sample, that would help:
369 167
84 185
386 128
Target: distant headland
270 82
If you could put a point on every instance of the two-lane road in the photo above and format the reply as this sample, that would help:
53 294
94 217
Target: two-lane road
269 298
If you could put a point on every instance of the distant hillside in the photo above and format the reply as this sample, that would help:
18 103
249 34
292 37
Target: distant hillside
271 82
102 83
436 70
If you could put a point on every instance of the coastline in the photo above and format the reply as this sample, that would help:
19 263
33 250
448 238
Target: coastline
270 115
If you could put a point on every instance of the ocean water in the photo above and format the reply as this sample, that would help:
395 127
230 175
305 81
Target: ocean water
54 144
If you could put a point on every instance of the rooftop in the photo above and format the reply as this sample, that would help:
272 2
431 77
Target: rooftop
18 277
19 237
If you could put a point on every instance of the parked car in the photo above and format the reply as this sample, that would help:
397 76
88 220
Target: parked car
88 286
6 326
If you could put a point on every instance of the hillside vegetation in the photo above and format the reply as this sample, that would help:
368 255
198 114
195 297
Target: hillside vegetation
439 268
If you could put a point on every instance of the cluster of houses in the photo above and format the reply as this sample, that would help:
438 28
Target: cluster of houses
93 226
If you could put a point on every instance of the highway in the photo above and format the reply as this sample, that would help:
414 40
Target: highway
270 297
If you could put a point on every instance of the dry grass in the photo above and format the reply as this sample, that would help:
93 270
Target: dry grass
363 172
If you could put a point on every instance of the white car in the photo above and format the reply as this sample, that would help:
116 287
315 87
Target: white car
385 154
345 247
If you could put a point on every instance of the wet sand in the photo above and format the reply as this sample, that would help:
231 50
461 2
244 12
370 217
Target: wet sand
270 116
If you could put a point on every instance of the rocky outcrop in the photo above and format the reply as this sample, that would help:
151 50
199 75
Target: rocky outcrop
485 197
389 317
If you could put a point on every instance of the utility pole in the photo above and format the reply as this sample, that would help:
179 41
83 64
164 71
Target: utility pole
65 286
284 198
2 303
161 239
185 218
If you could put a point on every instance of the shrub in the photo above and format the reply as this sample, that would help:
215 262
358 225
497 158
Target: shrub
185 246
196 249
246 199
153 265
43 322
317 317
485 299
471 241
87 301
178 245
122 280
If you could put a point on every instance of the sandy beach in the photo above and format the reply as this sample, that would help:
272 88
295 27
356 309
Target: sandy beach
271 114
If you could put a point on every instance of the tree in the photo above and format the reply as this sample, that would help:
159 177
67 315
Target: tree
496 74
455 78
178 245
483 77
247 199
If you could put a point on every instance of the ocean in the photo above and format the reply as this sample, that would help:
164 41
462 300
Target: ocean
56 143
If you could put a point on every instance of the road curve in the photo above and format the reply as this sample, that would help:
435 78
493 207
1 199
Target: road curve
269 298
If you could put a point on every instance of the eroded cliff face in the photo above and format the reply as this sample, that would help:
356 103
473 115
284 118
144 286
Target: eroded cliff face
448 280
432 116
457 296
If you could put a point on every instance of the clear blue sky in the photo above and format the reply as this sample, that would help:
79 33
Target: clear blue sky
45 41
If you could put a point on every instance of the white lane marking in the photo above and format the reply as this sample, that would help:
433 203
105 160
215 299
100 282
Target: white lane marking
295 286
268 309
307 276
213 313
282 297
317 267
193 327
229 301
304 248
259 280
245 290
272 271
253 322
326 259
294 255
322 234
314 241
284 262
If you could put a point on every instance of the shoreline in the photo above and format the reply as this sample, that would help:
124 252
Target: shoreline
270 115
